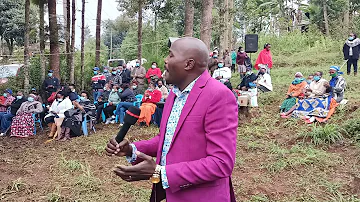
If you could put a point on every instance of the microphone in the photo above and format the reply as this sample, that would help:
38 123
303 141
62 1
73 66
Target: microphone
131 117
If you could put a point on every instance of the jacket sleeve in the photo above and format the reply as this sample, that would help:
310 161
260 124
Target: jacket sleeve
159 72
148 147
38 108
220 147
340 86
344 52
148 74
142 73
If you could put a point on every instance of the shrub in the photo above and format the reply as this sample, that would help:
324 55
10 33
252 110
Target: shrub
352 129
327 134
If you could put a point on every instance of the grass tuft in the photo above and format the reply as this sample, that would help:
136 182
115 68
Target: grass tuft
327 134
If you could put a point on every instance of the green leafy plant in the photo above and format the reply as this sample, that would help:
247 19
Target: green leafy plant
326 134
352 129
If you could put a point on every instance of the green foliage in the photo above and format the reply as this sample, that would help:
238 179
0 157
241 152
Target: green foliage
352 128
12 22
326 134
153 50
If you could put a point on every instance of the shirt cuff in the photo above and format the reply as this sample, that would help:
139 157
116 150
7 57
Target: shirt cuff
132 159
164 179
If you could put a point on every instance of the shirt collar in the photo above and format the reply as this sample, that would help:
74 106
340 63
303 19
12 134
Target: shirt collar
177 91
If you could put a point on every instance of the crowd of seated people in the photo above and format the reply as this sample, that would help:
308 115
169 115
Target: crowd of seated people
316 101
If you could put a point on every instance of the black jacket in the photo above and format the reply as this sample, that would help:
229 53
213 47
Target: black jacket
356 52
247 79
15 105
127 96
126 76
51 81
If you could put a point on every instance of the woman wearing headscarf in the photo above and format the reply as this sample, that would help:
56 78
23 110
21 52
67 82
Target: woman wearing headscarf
264 59
337 84
351 52
23 123
296 88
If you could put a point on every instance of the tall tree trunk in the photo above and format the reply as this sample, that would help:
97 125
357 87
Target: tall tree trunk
206 20
347 16
326 19
224 12
72 47
26 46
67 36
54 39
42 39
140 18
82 43
98 27
189 18
230 24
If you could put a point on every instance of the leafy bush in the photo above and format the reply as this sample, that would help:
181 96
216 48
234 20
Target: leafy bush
326 134
352 128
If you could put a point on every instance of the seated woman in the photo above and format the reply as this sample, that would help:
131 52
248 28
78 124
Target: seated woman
296 87
337 84
56 113
247 81
23 123
148 106
317 87
114 99
264 80
71 126
127 100
164 91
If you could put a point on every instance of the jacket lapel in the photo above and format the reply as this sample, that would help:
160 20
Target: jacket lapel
190 102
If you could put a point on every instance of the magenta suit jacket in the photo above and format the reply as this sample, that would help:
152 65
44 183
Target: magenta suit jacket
202 153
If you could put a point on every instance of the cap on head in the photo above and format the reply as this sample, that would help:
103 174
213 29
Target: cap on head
96 68
336 68
299 74
33 89
9 91
51 71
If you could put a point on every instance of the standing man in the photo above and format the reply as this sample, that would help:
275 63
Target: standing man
50 84
138 75
98 82
106 73
125 74
195 149
227 59
265 59
351 51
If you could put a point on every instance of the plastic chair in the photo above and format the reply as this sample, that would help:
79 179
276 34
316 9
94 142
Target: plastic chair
138 101
103 114
36 120
84 126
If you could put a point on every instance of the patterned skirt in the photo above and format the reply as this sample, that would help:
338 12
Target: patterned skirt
22 125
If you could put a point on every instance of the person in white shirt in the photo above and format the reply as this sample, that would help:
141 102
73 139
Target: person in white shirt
264 80
222 73
317 87
56 112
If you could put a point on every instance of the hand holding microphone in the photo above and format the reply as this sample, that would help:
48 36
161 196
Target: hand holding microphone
118 146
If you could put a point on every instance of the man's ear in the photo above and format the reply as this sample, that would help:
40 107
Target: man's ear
190 64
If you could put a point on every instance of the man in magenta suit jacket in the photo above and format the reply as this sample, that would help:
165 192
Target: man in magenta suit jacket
195 149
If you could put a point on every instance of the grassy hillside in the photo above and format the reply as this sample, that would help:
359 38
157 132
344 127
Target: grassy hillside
277 160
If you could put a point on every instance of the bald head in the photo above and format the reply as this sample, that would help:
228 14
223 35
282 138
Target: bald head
192 48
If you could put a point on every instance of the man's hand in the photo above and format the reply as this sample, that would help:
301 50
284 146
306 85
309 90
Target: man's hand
218 78
119 149
142 171
110 103
82 108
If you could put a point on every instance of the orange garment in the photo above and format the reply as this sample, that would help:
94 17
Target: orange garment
147 110
333 105
296 90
